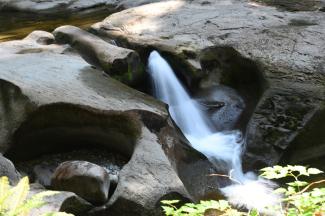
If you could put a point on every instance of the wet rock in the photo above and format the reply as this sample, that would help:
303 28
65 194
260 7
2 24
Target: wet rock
63 201
122 64
8 169
85 179
270 57
223 105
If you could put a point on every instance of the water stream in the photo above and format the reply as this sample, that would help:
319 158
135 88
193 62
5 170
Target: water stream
222 149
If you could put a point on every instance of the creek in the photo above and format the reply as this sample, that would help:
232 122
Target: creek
223 149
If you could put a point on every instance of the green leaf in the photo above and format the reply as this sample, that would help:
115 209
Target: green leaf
314 171
223 205
168 210
280 190
300 169
297 183
169 202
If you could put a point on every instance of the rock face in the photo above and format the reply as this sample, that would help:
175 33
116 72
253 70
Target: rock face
8 169
63 201
272 58
122 64
85 179
59 103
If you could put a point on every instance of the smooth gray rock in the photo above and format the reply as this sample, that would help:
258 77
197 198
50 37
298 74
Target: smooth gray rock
122 64
41 37
85 179
62 201
144 181
7 168
47 79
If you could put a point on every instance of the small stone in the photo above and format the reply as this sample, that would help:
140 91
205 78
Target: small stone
85 179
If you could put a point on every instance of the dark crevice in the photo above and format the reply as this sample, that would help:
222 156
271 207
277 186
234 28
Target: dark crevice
64 127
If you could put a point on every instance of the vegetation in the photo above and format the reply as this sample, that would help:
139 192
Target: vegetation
300 198
14 201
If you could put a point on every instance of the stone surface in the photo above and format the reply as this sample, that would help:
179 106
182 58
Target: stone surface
63 201
273 58
7 168
41 37
85 179
73 106
120 63
145 180
54 79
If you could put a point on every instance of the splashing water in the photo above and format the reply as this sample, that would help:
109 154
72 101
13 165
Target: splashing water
218 147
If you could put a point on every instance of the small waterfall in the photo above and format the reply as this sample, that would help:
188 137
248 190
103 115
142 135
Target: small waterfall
220 148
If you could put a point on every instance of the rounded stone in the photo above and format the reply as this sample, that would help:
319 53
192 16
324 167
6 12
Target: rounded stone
85 179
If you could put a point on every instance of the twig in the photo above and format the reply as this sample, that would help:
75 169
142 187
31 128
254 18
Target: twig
227 176
308 186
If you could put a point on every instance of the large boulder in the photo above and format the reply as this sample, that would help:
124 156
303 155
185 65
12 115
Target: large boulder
272 58
122 64
147 179
61 82
85 179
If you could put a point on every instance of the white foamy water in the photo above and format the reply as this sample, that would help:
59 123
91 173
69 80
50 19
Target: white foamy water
219 148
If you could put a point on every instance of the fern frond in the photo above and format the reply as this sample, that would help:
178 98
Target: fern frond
4 185
4 192
34 202
20 192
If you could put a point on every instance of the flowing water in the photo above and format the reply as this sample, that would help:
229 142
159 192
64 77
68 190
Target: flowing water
220 148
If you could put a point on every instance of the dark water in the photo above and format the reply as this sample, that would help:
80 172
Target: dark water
16 25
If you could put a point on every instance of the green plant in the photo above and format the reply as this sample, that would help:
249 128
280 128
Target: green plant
190 209
300 198
14 201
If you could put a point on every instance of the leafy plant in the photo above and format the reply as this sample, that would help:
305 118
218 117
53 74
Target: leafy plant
14 201
300 198
191 209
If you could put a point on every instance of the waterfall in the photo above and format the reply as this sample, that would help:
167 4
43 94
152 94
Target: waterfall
219 148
